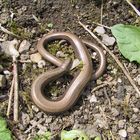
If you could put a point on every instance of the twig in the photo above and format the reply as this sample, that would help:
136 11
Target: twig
109 102
7 32
15 73
103 85
134 8
101 21
113 56
34 125
10 98
107 27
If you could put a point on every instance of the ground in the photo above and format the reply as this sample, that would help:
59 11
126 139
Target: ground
108 111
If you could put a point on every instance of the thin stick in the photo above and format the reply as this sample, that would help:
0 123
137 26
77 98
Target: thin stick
10 98
34 125
107 27
15 72
113 56
101 21
134 8
101 86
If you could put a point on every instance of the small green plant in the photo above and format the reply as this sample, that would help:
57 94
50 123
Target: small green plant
73 135
46 136
5 133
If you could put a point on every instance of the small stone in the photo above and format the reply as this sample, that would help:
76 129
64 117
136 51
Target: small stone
49 120
2 81
108 41
4 17
94 55
98 82
39 115
35 108
100 30
121 123
41 127
119 80
136 110
75 63
93 99
9 47
114 71
85 117
134 71
41 64
130 129
36 57
123 133
24 46
7 72
60 54
25 119
115 112
134 118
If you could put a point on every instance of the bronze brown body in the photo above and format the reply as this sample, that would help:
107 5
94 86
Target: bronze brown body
78 83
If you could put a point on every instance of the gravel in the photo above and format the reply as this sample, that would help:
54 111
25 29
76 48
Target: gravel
111 110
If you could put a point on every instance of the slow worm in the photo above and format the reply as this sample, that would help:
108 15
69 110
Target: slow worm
68 99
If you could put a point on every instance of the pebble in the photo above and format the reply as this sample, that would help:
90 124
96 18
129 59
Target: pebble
39 115
41 64
2 81
123 133
75 63
115 112
134 71
119 80
9 47
108 41
7 72
36 57
25 118
99 82
121 123
4 17
35 108
60 54
136 110
24 46
100 30
93 99
48 120
130 129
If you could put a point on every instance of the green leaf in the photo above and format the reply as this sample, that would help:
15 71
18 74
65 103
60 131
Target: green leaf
97 138
5 133
128 40
3 124
46 136
73 134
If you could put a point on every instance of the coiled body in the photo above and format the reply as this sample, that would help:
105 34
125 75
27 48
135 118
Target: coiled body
78 83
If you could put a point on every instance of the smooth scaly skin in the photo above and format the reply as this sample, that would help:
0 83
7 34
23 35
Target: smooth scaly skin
78 83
